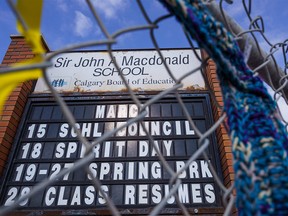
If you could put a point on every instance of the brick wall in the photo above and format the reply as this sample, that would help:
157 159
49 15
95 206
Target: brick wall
17 51
223 140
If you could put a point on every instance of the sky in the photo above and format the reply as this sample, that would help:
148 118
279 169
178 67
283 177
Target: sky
66 22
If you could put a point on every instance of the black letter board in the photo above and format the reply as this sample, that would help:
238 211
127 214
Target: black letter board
126 164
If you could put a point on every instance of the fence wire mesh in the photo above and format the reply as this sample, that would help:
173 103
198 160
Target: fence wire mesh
255 33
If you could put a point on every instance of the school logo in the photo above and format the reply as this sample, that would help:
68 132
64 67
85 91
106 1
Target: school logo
59 82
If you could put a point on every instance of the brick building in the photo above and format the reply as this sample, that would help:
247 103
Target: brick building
20 113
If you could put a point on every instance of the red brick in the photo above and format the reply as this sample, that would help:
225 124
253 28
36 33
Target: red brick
214 76
13 46
4 123
19 106
9 49
18 57
5 118
9 107
212 68
28 49
12 126
220 101
228 171
27 86
6 144
22 42
4 137
3 149
15 39
3 156
27 53
223 140
226 156
226 149
2 163
17 110
12 103
14 53
9 61
7 57
218 93
17 51
228 162
229 179
227 143
7 112
13 121
9 131
220 131
217 89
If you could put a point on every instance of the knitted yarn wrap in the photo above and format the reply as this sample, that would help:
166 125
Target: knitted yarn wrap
259 140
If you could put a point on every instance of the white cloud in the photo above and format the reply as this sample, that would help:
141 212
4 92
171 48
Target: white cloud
83 24
82 4
110 8
61 4
157 5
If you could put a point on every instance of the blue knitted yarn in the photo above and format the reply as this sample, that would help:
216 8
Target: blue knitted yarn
259 140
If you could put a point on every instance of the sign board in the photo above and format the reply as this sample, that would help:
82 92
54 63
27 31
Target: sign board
143 70
126 164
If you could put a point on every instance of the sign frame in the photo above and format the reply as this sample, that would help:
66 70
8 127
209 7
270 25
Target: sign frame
34 99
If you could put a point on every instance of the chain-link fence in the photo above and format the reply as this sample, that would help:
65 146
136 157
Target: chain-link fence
264 63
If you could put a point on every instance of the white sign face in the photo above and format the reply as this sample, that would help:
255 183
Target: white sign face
143 70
